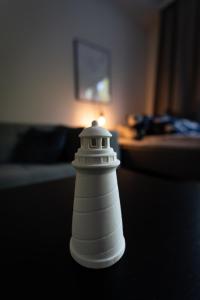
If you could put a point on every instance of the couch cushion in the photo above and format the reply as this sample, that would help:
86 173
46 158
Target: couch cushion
12 175
11 134
8 139
73 143
40 146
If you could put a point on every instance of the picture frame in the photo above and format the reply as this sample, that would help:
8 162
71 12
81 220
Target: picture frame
92 65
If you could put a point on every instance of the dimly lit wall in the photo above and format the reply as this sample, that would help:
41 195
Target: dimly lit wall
36 58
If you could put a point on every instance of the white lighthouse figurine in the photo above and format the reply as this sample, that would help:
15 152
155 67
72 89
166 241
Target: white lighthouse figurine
97 233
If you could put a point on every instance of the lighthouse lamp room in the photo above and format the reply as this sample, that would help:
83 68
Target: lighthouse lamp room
100 148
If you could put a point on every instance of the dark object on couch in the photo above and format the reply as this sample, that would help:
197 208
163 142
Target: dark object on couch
36 153
145 125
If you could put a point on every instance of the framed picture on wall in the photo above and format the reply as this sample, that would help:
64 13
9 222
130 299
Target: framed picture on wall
92 72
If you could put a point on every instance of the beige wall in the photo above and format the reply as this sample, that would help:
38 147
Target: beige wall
36 83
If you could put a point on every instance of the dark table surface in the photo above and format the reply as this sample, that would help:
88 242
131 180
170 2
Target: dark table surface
161 226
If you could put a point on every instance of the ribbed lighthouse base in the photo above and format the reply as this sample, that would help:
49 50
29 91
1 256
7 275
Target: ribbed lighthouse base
99 261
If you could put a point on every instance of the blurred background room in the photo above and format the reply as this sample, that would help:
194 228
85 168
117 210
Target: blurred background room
133 65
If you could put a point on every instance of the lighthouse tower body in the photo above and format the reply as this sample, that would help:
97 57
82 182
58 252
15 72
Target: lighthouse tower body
97 234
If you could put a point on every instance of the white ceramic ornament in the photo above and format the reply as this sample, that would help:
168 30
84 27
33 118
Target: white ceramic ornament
97 233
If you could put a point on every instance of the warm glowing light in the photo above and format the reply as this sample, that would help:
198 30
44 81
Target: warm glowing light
83 114
101 120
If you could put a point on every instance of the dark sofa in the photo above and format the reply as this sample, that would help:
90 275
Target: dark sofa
36 153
